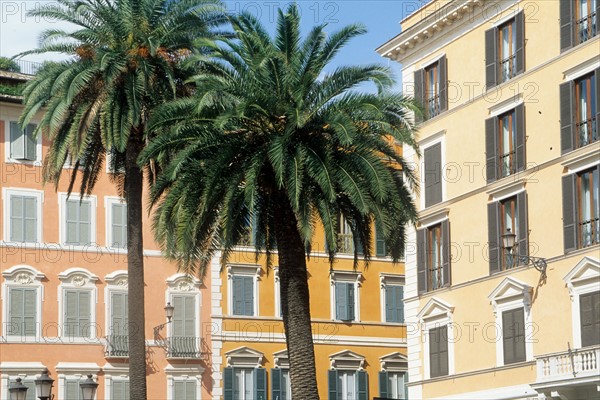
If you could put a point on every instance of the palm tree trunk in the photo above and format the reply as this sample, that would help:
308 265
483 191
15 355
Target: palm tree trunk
134 179
295 302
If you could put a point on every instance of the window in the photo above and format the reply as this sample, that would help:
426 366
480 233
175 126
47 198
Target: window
23 313
348 385
183 342
243 295
513 336
184 389
507 213
77 304
380 247
582 282
589 306
438 351
431 85
28 381
79 220
72 389
432 174
579 109
581 209
23 209
345 238
578 22
392 385
245 383
504 46
433 249
118 225
344 301
394 303
345 293
117 341
281 385
119 389
505 144
23 144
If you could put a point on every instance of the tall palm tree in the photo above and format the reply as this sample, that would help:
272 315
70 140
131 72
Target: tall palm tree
126 58
273 140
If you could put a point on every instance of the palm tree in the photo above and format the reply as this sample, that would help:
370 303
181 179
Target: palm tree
272 140
126 58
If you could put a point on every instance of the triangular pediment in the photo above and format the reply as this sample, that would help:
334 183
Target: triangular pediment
244 352
394 357
244 357
347 359
509 288
394 362
588 269
435 308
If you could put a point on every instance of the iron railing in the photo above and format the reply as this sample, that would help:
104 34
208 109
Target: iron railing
117 346
183 347
587 27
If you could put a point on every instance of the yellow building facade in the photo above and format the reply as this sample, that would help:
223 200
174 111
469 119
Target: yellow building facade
509 151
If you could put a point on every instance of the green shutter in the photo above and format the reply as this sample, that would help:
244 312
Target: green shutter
30 219
228 379
351 311
589 312
238 295
71 222
406 385
120 390
30 383
433 174
363 385
17 142
179 390
260 384
16 219
390 304
332 380
119 225
23 311
491 149
399 297
178 315
341 301
78 222
494 237
419 82
119 316
513 336
190 390
70 323
383 384
276 383
30 143
566 25
491 55
380 249
16 311
567 126
248 295
422 260
184 316
72 390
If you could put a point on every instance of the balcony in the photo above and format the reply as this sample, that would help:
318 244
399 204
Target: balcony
575 372
117 346
182 347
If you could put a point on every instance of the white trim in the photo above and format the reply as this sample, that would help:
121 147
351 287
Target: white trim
506 105
429 63
582 162
62 217
515 392
347 360
394 362
581 69
253 270
22 276
181 284
38 146
74 371
281 359
436 313
582 279
509 189
327 337
116 281
384 280
350 277
216 299
433 218
82 280
430 141
25 370
183 373
244 357
108 213
39 195
277 289
512 294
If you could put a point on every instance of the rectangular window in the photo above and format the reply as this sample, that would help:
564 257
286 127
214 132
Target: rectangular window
589 310
380 247
118 225
431 88
23 145
435 273
396 383
281 385
433 257
118 339
72 389
504 51
120 390
29 382
243 295
344 301
507 129
77 313
588 186
507 46
394 303
78 222
586 131
23 218
438 351
586 19
23 312
348 385
244 383
433 174
509 213
505 144
184 390
243 387
509 220
513 336
183 342
345 238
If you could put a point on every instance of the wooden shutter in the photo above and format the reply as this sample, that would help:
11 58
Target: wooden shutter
380 249
491 149
419 94
421 260
566 25
72 222
16 311
523 234
119 314
238 295
260 384
383 384
341 301
443 81
433 174
406 385
589 311
72 390
567 131
276 383
443 333
491 55
513 335
332 381
597 81
390 304
494 237
178 315
228 378
446 270
363 385
521 154
438 351
85 223
350 290
23 311
248 295
71 317
569 207
520 39
30 219
17 219
400 303
119 225
17 141
30 143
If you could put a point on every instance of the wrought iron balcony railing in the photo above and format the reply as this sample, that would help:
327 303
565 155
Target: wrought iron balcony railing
117 346
183 347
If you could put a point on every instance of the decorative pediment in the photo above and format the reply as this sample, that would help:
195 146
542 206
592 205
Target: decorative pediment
394 362
347 360
243 269
511 289
244 357
23 275
281 359
345 276
435 308
390 279
71 368
117 278
77 277
183 282
586 272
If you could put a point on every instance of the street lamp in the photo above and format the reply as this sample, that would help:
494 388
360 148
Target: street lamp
43 386
169 310
88 388
509 244
17 391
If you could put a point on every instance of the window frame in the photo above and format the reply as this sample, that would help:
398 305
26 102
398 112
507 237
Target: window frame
184 285
116 282
593 209
78 279
385 280
577 19
350 277
109 201
511 25
590 99
67 371
434 314
438 138
62 214
183 372
247 270
27 371
8 146
393 363
7 193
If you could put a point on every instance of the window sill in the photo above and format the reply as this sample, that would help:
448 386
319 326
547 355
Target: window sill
36 163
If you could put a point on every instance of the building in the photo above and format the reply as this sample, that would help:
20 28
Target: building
509 140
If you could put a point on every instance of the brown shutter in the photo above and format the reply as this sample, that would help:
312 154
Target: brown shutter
520 32
521 135
433 174
419 95
513 336
567 137
422 260
443 349
597 80
446 271
491 54
491 149
508 345
519 334
589 312
493 237
443 68
569 206
566 25
522 242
